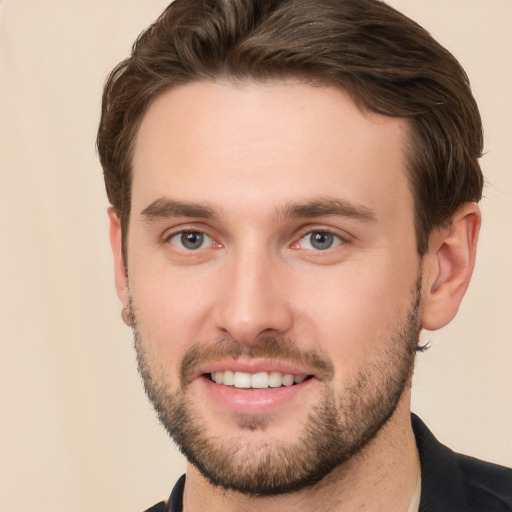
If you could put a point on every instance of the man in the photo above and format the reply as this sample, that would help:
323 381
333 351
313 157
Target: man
293 189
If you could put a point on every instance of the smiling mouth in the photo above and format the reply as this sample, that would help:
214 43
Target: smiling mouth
260 380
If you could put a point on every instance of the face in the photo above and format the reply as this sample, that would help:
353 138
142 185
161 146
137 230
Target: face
273 277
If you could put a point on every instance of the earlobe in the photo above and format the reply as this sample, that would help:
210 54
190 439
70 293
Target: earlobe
448 266
116 241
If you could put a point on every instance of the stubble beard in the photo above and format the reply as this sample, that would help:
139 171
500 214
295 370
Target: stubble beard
336 429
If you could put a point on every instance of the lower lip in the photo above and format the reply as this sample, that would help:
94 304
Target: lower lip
255 401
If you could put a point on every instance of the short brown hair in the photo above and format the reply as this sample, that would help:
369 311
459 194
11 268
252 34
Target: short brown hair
387 62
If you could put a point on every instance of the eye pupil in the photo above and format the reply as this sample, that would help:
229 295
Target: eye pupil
192 239
321 241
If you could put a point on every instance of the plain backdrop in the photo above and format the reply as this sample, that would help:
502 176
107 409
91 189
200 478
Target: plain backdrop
76 432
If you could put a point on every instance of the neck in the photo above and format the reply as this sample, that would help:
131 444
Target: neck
382 476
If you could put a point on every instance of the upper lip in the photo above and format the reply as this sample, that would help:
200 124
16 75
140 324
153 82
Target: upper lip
251 366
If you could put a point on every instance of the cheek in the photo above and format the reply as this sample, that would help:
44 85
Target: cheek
354 314
171 311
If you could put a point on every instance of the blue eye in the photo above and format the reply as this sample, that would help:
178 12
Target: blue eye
190 240
319 241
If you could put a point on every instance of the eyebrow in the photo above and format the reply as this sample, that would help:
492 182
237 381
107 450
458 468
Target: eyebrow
325 206
318 207
164 208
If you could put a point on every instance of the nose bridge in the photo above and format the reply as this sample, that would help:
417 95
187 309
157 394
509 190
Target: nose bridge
251 301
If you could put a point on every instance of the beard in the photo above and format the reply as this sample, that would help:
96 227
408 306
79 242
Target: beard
336 428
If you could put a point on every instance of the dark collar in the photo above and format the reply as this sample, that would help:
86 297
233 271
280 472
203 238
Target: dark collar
442 485
176 499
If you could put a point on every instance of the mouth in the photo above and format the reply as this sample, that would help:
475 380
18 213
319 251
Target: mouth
259 380
256 387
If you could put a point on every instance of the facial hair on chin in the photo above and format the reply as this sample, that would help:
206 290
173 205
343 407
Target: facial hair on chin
335 430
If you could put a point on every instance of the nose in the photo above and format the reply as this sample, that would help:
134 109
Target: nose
253 300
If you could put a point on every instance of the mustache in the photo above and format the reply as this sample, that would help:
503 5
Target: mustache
270 347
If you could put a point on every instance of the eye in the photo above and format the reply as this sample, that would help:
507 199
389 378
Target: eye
319 241
190 240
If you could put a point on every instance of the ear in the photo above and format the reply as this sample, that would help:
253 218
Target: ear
449 265
120 272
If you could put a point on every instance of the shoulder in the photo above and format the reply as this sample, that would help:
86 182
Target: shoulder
454 482
486 483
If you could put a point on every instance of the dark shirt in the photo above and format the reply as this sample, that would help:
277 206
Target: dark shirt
450 482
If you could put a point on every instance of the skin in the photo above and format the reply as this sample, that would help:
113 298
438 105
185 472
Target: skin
247 152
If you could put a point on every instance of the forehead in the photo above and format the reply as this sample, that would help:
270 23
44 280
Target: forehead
247 143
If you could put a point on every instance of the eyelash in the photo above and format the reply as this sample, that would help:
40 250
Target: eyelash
188 232
336 240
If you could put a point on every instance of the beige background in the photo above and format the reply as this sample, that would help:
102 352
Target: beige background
75 430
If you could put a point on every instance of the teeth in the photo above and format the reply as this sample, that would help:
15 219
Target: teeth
275 379
242 380
229 378
288 379
261 380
